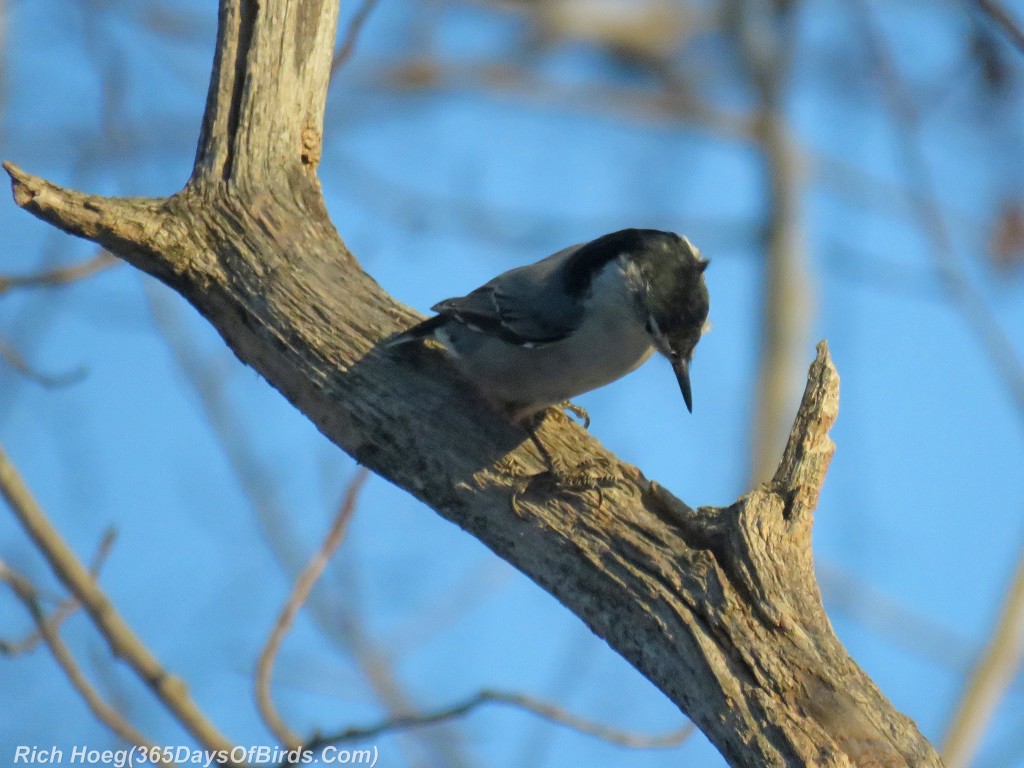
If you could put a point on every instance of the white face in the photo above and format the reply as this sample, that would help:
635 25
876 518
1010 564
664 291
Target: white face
660 340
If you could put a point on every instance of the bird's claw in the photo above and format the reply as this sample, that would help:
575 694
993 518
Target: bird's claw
576 410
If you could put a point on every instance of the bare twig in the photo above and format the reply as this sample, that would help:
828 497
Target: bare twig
14 359
526 703
1002 17
994 672
26 593
52 278
298 597
66 607
355 26
124 643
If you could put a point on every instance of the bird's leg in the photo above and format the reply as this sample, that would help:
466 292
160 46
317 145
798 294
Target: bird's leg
580 478
555 467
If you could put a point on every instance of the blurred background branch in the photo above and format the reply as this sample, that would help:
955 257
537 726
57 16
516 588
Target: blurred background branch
47 629
355 26
765 34
337 617
298 597
989 680
58 276
124 643
65 607
1006 22
541 709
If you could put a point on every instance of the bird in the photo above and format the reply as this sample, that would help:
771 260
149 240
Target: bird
538 335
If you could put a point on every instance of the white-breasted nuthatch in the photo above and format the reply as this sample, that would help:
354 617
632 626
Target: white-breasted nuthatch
538 335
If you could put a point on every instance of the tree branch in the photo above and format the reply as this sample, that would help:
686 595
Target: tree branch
47 629
66 607
765 33
529 704
355 26
60 275
14 359
123 642
300 593
1002 17
992 675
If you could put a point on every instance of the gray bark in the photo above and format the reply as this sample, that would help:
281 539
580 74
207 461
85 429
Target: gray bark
718 607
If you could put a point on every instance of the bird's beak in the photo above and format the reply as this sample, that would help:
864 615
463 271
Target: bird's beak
682 368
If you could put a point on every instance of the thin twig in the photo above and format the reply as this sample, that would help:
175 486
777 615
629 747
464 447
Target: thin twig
994 672
15 360
1002 17
124 643
66 607
300 593
58 276
355 26
541 709
26 593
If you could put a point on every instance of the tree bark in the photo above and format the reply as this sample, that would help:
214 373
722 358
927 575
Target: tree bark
718 607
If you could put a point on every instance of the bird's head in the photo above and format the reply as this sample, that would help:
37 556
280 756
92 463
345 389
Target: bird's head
673 298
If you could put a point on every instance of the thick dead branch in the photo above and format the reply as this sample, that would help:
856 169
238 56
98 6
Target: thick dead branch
717 607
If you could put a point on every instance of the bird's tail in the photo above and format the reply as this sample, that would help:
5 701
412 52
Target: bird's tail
418 331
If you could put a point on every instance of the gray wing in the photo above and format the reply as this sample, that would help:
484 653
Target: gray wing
526 306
